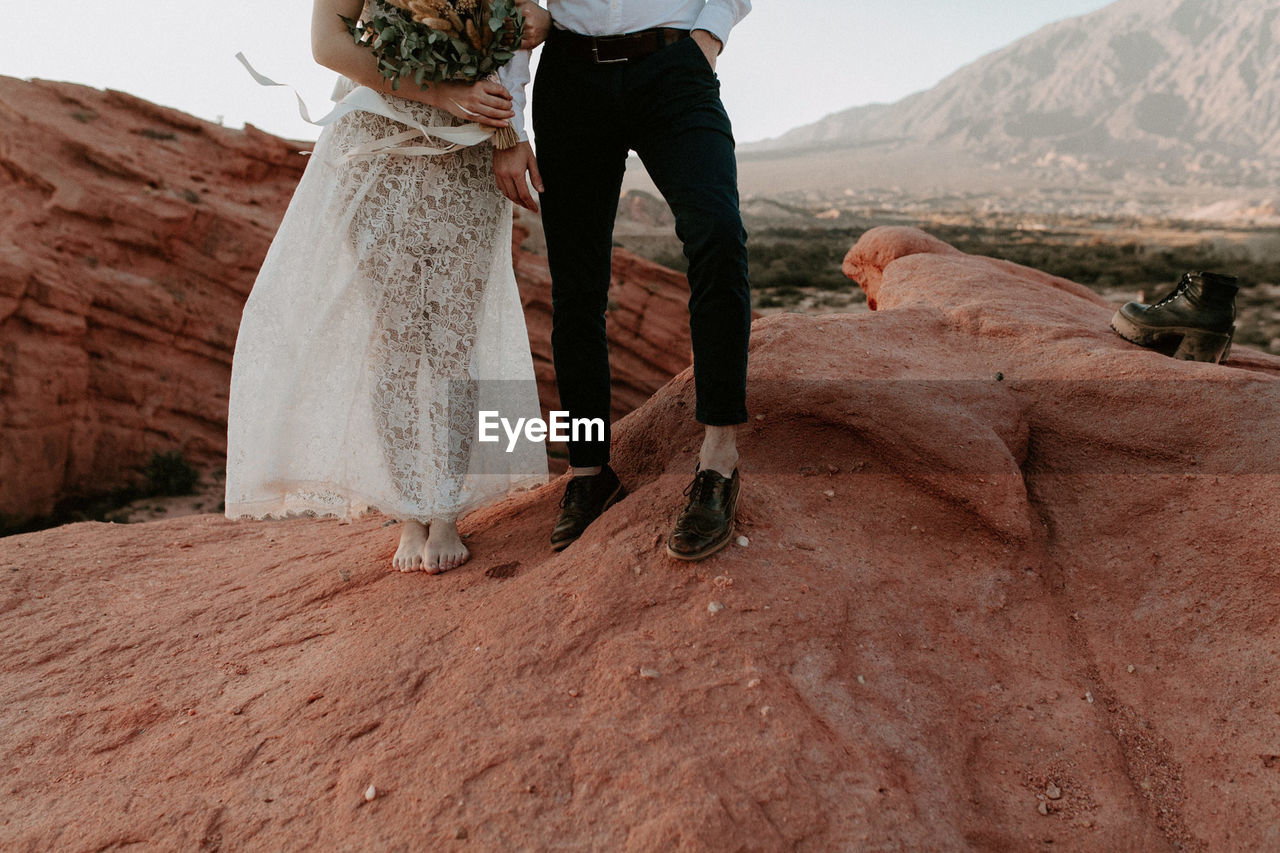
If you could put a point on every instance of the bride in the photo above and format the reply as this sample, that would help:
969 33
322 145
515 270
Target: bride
385 318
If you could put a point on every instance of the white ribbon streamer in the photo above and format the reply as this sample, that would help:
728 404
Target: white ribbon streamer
366 99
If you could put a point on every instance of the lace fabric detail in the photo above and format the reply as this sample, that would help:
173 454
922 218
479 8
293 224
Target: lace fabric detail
384 318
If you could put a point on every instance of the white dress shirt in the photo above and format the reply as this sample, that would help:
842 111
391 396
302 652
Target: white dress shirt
618 17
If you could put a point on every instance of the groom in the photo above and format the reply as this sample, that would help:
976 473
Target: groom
639 76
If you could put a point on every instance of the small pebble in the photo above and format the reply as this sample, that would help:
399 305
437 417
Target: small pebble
1088 697
574 694
461 834
999 377
759 417
1130 668
646 672
1043 808
370 793
831 493
1053 792
743 541
766 711
715 607
861 680
755 682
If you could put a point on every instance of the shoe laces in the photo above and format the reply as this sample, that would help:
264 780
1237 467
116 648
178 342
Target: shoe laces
1183 283
571 492
700 488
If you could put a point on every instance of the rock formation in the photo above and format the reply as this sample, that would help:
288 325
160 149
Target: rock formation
130 236
1007 581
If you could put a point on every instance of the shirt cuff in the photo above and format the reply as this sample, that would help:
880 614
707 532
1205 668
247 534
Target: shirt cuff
716 20
515 77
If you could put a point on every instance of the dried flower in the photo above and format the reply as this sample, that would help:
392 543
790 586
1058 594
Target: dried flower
431 41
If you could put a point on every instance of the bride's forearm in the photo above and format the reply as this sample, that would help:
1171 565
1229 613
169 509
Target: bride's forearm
485 101
333 47
359 65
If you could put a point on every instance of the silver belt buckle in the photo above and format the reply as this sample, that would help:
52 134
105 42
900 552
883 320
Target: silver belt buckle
595 53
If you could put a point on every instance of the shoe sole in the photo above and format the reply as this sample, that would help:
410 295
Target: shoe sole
1193 344
618 494
705 552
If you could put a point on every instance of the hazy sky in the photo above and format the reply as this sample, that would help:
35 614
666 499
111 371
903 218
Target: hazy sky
789 63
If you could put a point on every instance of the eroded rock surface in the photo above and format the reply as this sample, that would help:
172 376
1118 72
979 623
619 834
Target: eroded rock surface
1008 581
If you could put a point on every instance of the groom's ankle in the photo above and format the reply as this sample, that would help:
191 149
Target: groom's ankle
586 472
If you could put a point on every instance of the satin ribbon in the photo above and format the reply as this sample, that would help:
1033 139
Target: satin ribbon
366 99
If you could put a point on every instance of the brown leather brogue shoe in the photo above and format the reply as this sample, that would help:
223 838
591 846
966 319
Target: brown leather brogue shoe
706 524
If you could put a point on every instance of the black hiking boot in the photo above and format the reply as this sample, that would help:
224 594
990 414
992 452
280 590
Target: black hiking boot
1193 322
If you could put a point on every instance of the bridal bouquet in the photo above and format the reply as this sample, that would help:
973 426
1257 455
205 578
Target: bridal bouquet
434 41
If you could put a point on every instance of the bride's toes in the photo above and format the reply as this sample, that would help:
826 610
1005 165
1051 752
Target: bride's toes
408 556
461 558
407 560
407 563
445 550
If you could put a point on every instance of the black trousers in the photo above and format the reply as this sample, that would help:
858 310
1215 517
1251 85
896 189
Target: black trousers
588 117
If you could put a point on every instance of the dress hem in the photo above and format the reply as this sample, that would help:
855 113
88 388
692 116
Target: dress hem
350 506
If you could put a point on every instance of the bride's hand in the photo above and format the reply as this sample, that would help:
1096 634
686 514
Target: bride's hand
537 24
485 102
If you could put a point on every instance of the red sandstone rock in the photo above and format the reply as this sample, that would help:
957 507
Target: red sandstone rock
930 632
130 235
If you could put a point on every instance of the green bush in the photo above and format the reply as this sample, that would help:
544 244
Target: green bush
170 474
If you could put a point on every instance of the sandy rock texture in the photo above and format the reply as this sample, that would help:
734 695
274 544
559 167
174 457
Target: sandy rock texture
1008 583
130 236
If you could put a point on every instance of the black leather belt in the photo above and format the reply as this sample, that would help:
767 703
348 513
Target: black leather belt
605 50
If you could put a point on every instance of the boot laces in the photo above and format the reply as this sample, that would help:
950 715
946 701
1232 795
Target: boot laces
1183 284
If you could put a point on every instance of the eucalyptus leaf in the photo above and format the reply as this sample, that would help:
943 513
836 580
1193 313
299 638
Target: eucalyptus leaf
405 48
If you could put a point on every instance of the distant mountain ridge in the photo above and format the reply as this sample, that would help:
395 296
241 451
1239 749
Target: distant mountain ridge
1179 88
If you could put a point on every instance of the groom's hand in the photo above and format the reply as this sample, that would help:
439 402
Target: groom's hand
537 24
710 45
510 167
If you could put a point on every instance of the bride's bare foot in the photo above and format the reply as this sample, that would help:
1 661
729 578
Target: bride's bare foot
413 546
445 550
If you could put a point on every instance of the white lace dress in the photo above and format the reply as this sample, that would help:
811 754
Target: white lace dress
384 319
